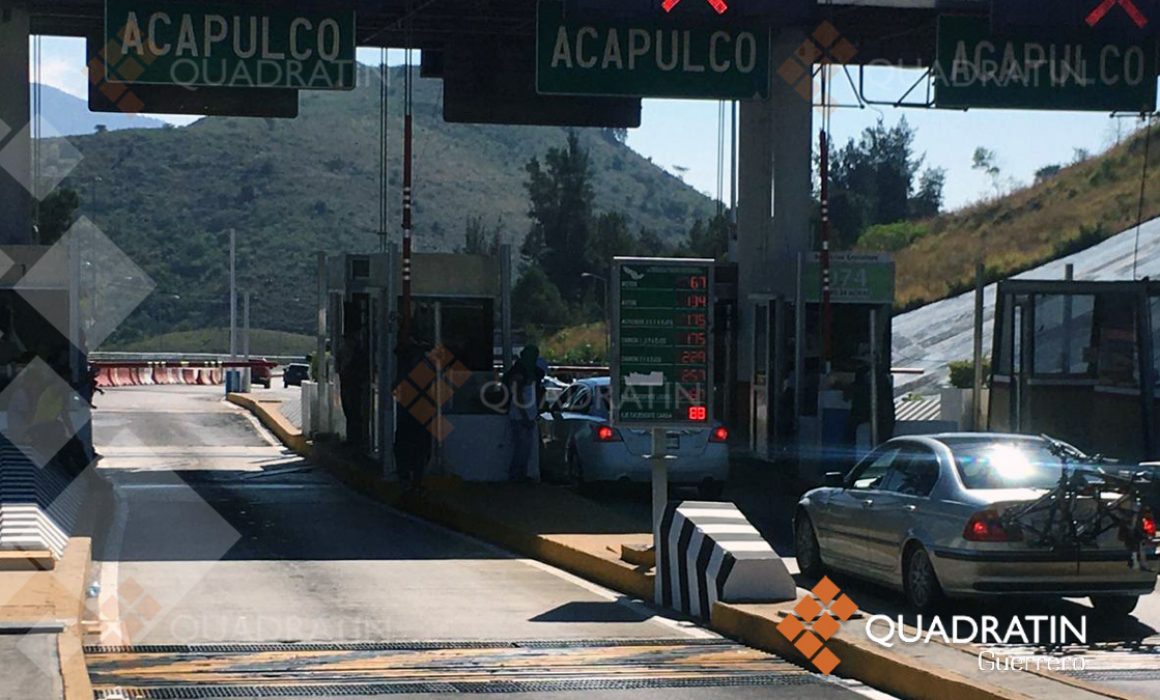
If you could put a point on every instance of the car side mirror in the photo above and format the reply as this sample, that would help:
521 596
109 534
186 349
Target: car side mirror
834 480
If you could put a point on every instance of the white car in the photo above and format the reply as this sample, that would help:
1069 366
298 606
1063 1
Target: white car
581 447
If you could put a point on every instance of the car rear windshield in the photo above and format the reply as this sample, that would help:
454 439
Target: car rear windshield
1006 465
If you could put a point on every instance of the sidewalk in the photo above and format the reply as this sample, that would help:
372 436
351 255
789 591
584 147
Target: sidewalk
40 629
555 526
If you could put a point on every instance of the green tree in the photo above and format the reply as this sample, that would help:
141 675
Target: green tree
561 196
709 240
478 239
611 238
55 215
536 301
875 181
985 161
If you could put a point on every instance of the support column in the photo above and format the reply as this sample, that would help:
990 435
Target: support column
15 134
775 200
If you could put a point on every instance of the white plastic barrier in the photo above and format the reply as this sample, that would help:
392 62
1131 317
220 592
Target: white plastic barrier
709 552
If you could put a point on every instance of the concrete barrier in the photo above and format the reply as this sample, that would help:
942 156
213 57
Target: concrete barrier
708 553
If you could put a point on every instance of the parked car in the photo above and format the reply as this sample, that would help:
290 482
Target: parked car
971 515
582 448
553 388
294 374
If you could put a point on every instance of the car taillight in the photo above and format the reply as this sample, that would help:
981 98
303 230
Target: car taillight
719 434
607 433
1148 525
985 527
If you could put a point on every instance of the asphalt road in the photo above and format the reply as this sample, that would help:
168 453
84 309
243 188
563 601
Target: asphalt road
221 537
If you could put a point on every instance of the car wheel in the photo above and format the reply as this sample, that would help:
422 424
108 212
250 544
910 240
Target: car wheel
806 548
710 490
921 582
1115 606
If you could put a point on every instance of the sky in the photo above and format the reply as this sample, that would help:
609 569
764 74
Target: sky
678 134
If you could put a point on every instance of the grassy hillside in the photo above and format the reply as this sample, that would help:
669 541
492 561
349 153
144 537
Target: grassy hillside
217 340
293 187
1082 205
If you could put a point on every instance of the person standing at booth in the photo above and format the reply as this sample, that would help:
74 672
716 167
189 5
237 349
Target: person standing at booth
522 381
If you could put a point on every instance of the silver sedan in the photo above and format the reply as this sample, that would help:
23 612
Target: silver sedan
973 515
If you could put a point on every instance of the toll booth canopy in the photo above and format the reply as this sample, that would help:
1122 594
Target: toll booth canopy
1078 361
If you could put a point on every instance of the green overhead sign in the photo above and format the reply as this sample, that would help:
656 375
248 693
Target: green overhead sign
648 57
976 69
855 278
662 354
152 42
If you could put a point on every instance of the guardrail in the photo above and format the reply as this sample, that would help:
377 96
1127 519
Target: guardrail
190 372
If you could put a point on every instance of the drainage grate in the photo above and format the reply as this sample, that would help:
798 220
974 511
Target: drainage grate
277 647
481 687
180 671
1116 674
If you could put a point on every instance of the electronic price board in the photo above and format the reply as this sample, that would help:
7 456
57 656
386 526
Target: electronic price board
662 348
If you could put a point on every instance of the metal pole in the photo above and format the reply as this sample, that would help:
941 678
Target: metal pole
977 389
827 312
1068 274
873 378
505 275
233 296
320 349
246 325
660 496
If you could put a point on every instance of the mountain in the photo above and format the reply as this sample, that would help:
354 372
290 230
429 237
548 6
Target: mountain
293 187
65 115
1070 208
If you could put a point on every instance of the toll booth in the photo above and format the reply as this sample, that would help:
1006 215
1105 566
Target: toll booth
801 408
1078 361
41 452
457 303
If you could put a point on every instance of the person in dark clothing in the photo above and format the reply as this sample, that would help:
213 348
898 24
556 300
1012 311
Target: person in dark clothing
412 438
354 383
523 381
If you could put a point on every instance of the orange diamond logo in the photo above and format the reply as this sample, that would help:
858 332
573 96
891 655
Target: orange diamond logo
815 620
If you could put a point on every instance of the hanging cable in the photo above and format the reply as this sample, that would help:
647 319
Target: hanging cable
1143 185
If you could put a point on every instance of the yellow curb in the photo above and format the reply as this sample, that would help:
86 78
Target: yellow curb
270 415
74 670
875 666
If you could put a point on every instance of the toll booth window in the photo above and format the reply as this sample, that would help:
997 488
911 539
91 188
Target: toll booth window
1063 334
1154 309
1115 340
1003 363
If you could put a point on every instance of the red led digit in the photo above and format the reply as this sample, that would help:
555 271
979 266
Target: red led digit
698 413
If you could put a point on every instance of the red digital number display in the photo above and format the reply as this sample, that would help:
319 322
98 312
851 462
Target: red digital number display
698 413
694 282
694 357
693 376
697 301
695 338
696 320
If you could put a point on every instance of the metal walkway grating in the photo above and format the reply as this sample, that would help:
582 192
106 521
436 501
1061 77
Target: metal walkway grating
176 672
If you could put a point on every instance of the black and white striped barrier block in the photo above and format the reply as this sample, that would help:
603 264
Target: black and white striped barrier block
709 552
38 510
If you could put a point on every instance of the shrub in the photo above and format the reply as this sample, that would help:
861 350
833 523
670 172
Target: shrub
963 373
891 237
